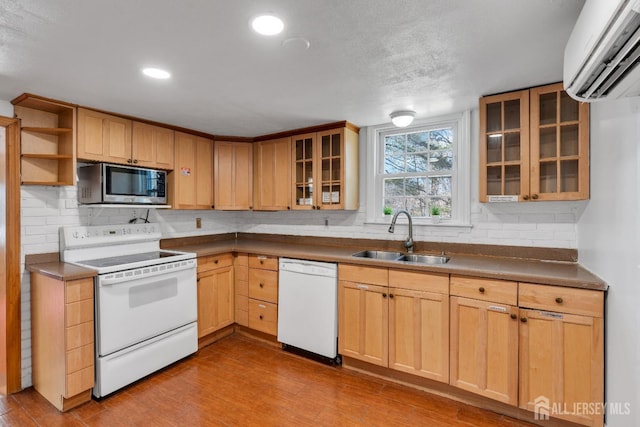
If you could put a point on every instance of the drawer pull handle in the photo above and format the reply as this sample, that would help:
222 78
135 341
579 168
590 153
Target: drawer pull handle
559 300
262 306
523 319
365 287
514 316
481 289
261 285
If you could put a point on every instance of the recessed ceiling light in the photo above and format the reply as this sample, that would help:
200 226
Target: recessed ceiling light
267 25
156 73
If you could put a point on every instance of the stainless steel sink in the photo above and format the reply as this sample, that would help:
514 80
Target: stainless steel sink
424 259
398 256
386 255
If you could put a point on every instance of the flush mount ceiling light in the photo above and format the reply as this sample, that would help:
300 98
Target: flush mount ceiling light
402 118
267 25
156 73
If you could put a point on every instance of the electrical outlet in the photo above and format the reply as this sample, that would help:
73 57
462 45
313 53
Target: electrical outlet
198 222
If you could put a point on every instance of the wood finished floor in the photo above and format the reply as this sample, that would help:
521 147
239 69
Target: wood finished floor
242 382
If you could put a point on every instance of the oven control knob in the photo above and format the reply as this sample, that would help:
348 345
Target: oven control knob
75 234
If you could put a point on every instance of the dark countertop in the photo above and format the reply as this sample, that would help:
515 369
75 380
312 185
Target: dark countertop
553 273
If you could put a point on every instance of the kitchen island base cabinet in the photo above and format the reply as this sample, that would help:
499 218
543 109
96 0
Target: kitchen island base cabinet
62 339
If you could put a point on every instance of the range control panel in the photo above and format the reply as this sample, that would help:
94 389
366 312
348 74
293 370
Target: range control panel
96 235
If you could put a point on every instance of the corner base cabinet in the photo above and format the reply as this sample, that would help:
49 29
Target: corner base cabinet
62 330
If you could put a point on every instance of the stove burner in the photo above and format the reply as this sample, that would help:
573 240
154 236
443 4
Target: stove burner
127 259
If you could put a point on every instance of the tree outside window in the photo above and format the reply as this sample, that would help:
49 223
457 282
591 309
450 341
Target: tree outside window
418 170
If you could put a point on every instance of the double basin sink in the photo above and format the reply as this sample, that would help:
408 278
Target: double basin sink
398 256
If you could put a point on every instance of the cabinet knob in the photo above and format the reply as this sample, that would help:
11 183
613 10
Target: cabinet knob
213 206
288 207
135 161
215 262
128 160
534 197
525 197
514 316
559 300
523 319
261 285
384 295
391 296
250 207
198 280
481 290
261 317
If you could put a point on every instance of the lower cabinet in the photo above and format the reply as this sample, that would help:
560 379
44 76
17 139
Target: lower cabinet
216 306
419 323
241 273
562 352
484 348
62 327
263 294
395 318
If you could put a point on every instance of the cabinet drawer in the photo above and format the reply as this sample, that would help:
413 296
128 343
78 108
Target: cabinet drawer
79 335
413 280
361 274
263 316
79 381
500 291
264 262
79 358
263 285
78 312
211 262
557 298
77 290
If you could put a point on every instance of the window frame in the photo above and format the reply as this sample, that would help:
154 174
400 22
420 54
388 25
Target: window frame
460 186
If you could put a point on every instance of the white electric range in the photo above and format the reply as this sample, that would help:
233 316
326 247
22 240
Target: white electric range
145 300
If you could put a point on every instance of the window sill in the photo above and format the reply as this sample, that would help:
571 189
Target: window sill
423 223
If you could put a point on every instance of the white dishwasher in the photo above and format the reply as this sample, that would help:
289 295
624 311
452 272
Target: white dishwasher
308 306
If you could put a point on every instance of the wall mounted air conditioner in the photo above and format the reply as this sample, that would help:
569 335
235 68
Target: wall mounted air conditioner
602 57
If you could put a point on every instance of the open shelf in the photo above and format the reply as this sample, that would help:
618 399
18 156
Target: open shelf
48 140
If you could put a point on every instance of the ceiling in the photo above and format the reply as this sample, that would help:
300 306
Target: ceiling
366 58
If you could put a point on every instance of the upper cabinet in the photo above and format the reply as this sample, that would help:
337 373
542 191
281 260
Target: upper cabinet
152 146
233 175
191 182
107 138
324 170
272 174
103 137
534 145
47 140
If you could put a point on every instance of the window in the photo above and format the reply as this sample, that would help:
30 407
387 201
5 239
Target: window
421 167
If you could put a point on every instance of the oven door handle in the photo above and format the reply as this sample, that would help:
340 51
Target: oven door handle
144 272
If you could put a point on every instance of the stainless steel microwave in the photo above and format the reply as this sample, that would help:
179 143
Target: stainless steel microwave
107 183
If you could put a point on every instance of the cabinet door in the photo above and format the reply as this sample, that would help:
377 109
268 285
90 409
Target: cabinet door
329 192
559 145
484 348
419 333
504 146
302 171
561 364
272 175
152 146
233 175
363 318
103 137
192 178
215 300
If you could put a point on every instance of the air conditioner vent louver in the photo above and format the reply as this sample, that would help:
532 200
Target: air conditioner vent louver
603 54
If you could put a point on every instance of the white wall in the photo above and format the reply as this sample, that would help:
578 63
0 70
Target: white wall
6 109
609 244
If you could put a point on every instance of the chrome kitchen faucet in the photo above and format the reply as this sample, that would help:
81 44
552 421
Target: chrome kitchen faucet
409 242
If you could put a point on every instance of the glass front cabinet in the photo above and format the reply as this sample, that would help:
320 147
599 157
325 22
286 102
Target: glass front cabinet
325 169
534 145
